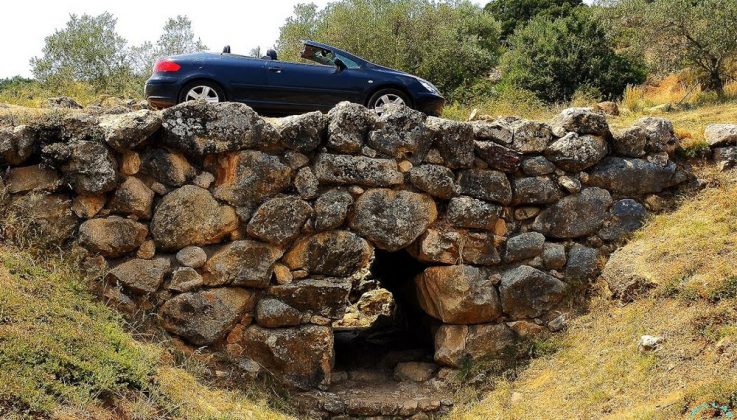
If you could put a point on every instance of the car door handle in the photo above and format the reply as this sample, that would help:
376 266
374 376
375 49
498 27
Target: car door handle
275 69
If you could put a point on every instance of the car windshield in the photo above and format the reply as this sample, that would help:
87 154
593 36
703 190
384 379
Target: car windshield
326 57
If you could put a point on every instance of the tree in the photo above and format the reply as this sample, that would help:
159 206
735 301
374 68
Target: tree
701 34
177 37
512 14
88 49
555 58
449 43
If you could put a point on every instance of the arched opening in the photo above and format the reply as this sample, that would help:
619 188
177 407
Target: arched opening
385 324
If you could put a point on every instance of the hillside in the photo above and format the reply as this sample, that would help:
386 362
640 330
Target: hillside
595 370
65 355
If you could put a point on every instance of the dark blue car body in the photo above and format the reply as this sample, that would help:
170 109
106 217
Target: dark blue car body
276 87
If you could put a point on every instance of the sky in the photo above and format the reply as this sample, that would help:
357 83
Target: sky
242 24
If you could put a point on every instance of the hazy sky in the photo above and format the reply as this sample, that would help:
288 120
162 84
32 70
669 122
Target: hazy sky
242 24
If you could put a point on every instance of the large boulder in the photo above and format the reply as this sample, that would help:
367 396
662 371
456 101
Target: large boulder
524 247
279 220
583 264
471 213
537 166
242 263
322 297
535 190
16 144
358 170
527 292
126 131
139 275
112 236
630 142
625 217
498 131
302 356
393 219
458 294
575 153
581 121
454 140
337 253
302 133
659 134
720 135
32 178
168 167
401 133
635 176
201 128
485 184
88 166
331 209
45 218
446 245
133 197
191 216
497 156
455 344
206 316
349 125
530 136
250 176
436 180
575 216
273 313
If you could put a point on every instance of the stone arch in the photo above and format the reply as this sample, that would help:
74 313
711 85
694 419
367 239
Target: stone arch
243 234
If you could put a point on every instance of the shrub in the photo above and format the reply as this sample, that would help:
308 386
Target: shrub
555 58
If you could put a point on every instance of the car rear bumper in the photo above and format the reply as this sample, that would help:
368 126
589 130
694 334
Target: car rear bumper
161 93
430 104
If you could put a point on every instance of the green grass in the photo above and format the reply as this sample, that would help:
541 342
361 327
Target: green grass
64 354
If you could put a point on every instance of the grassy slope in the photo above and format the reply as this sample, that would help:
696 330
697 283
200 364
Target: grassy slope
597 371
63 354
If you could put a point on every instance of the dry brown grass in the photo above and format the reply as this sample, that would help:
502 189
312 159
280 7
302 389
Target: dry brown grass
599 373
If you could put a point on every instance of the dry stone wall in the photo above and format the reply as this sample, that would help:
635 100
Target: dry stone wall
249 236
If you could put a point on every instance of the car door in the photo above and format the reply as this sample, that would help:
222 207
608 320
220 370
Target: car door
313 86
246 78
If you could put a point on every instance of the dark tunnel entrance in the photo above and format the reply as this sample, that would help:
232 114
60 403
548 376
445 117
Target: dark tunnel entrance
400 332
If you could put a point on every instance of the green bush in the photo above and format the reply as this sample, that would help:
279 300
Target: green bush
513 14
556 58
58 346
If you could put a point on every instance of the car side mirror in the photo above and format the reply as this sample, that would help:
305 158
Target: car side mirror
340 65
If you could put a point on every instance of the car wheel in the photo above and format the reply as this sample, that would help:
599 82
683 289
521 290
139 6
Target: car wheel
384 97
202 90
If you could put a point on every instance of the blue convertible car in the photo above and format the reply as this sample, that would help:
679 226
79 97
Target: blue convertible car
278 87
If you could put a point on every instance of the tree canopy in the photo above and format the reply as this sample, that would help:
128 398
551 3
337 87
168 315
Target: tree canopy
449 43
88 49
701 34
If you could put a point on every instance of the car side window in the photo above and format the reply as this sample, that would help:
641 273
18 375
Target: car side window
348 62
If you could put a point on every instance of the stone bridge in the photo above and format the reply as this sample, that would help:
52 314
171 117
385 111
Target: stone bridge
264 240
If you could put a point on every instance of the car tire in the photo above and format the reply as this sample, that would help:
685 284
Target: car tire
202 89
384 96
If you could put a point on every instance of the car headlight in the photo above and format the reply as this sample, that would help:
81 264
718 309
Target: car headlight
429 86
